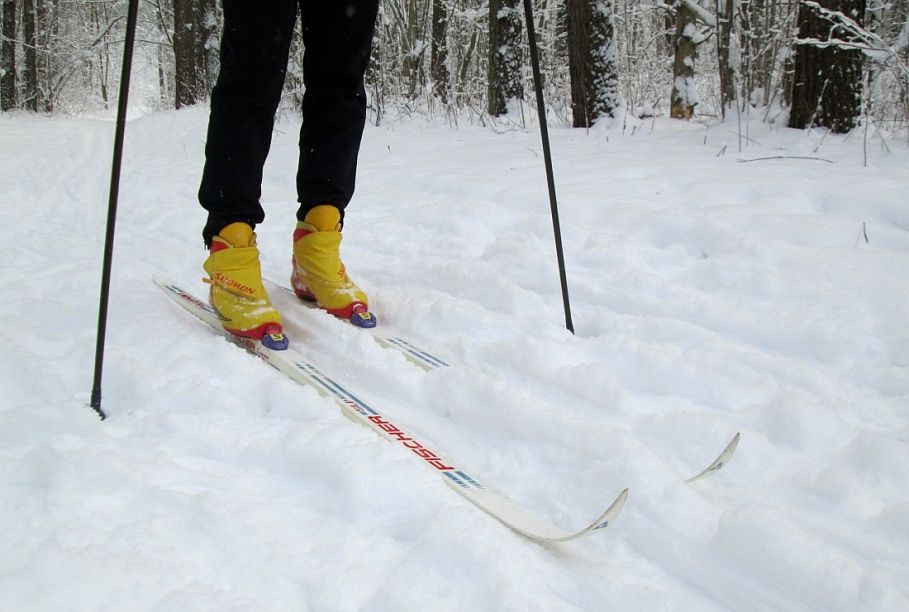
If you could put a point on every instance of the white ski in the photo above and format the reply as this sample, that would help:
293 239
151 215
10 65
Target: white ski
410 350
428 361
291 363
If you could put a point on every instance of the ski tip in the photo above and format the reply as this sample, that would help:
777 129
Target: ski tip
557 535
609 515
616 507
720 461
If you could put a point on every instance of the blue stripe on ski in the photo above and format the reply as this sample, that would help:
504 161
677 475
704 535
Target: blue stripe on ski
336 389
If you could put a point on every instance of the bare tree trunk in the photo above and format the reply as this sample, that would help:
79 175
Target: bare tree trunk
724 13
765 70
205 45
757 48
185 84
505 57
592 61
411 43
468 57
439 59
8 57
827 85
48 20
101 22
30 32
163 10
684 96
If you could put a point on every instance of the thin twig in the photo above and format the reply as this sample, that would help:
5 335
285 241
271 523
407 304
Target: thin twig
829 161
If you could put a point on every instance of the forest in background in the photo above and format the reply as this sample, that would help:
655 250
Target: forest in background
832 63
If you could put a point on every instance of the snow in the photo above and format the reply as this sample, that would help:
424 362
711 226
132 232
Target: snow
710 297
685 88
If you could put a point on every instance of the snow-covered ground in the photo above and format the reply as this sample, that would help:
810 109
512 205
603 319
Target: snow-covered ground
713 292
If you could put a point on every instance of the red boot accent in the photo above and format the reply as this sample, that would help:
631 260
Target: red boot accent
348 311
217 246
257 333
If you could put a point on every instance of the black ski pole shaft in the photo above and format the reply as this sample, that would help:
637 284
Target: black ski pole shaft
132 12
547 159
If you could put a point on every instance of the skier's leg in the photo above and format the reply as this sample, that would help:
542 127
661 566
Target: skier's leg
254 49
337 35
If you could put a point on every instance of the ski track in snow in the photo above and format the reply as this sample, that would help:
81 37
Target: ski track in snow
709 297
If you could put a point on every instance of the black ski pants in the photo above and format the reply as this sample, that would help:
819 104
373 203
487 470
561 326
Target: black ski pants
337 38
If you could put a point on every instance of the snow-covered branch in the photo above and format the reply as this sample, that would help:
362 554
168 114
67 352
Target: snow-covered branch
702 14
864 40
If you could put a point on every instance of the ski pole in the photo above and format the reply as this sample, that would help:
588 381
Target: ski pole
547 158
132 12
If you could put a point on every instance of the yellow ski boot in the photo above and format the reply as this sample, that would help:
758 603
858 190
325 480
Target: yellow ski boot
237 293
318 273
